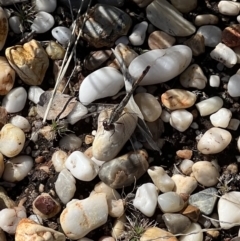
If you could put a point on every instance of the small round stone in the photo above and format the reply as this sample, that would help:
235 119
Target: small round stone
186 166
231 35
228 8
160 40
138 34
234 85
206 19
62 35
221 118
42 22
181 119
14 23
185 154
184 184
214 81
70 142
197 44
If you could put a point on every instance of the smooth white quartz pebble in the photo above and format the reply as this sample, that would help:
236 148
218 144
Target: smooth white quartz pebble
212 35
15 100
44 5
196 235
81 167
62 35
34 93
225 55
58 160
234 85
21 122
70 142
209 106
186 166
233 124
17 168
221 118
78 111
146 199
181 119
169 62
170 202
214 81
42 22
214 141
228 8
165 116
65 186
14 23
101 83
138 34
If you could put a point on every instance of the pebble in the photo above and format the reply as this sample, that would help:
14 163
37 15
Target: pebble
160 40
7 76
44 5
214 81
161 179
231 35
209 106
146 199
234 85
62 35
12 140
70 142
55 51
118 227
107 144
185 154
138 35
165 116
204 200
4 28
197 235
142 3
221 118
14 24
214 141
166 17
124 170
212 35
181 120
101 83
176 58
100 30
78 111
34 93
122 40
158 234
36 218
225 55
205 173
45 206
193 77
29 230
170 202
233 124
184 184
206 19
91 213
176 223
16 169
228 209
59 158
21 122
184 6
197 44
15 100
65 186
81 167
186 166
191 212
149 106
175 99
42 22
228 8
34 61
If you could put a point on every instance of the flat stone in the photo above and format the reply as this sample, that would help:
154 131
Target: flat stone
231 35
204 200
157 234
197 44
160 40
191 212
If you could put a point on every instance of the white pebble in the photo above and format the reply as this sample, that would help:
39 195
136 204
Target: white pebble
212 35
16 169
44 5
221 118
186 166
14 23
21 122
15 100
36 218
62 35
234 85
165 116
42 22
233 124
146 199
65 186
225 55
196 235
214 81
79 110
209 106
181 119
58 160
34 93
70 142
138 34
214 141
228 8
81 167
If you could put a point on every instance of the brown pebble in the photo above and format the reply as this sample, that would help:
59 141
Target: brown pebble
191 212
40 159
197 44
185 154
231 35
89 139
232 169
160 40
